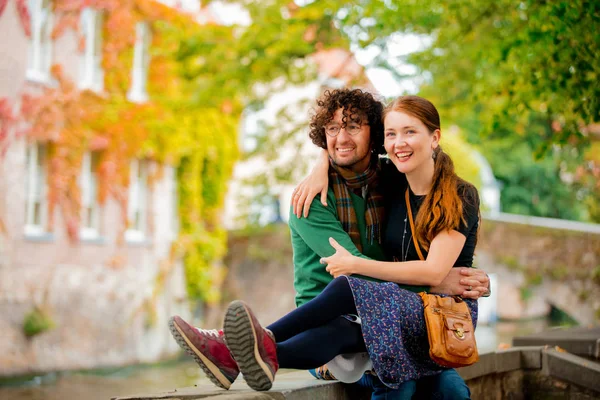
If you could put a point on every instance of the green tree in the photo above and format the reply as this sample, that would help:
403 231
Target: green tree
492 67
519 76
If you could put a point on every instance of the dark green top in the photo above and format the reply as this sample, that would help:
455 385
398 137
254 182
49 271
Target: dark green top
310 242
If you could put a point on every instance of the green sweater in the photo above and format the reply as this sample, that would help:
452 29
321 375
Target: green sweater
310 242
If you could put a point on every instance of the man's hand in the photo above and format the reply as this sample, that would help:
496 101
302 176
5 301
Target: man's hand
470 283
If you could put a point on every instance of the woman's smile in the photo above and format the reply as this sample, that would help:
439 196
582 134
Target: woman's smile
403 156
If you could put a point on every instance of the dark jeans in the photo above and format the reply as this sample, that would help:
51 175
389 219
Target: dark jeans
446 386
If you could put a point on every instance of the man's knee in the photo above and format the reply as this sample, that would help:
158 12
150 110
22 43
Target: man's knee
381 392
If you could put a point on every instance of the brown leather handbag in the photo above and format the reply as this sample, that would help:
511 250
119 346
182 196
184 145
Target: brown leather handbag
449 326
450 331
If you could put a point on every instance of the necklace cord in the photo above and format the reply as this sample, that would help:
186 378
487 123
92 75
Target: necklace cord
412 226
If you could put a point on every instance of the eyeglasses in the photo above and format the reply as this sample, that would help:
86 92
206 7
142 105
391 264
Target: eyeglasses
352 129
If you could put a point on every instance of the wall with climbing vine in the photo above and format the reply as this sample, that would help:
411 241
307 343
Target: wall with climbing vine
169 129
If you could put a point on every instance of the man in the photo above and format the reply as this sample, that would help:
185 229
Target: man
347 123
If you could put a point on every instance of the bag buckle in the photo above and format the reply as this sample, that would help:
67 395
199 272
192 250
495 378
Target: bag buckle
459 332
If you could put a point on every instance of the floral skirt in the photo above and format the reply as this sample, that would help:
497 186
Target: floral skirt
394 330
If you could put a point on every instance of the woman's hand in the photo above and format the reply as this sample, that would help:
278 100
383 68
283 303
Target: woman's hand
341 263
316 182
470 283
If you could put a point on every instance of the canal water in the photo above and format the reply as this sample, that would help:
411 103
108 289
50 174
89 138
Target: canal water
104 384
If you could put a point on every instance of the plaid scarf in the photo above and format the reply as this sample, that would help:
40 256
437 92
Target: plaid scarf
341 180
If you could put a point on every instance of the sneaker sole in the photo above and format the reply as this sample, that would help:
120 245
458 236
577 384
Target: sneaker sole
209 368
243 344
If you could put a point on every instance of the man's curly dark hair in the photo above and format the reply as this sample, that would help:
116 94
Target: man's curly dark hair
356 105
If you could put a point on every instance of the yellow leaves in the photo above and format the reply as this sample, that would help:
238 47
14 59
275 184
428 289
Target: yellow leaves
593 152
462 153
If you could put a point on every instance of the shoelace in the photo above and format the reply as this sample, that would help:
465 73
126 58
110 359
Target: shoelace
212 333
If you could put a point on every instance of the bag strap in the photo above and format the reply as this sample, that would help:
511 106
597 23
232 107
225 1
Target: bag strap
412 225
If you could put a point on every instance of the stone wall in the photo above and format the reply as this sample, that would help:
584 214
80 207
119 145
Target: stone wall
109 300
260 272
101 317
542 262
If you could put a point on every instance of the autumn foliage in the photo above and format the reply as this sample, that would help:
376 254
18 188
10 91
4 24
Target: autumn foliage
169 129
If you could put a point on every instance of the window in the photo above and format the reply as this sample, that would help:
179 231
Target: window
170 3
40 48
136 208
36 205
190 5
174 205
185 5
90 209
141 60
91 73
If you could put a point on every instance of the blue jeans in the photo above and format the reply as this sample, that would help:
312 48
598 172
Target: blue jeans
448 385
382 392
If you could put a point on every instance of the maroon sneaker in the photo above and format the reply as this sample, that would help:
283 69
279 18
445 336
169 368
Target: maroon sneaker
252 346
208 349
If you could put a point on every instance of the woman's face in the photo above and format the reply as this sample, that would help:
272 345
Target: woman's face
408 142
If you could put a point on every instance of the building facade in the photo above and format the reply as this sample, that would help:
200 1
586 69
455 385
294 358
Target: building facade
86 279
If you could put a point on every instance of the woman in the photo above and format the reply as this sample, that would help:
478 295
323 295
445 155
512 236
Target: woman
393 329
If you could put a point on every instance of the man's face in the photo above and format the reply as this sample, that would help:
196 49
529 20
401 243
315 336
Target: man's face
351 147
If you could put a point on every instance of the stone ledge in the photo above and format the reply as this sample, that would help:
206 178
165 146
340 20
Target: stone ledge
582 341
504 361
293 385
494 371
571 368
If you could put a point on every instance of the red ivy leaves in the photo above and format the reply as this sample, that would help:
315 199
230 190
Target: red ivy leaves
59 117
50 113
24 16
75 121
7 118
2 6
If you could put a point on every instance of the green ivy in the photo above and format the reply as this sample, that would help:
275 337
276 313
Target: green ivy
37 321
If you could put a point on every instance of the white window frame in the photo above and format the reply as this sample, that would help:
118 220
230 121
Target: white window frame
190 5
40 47
141 62
174 205
90 71
36 190
184 5
137 204
170 3
90 208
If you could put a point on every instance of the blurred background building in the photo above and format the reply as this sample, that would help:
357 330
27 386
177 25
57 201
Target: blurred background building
88 242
